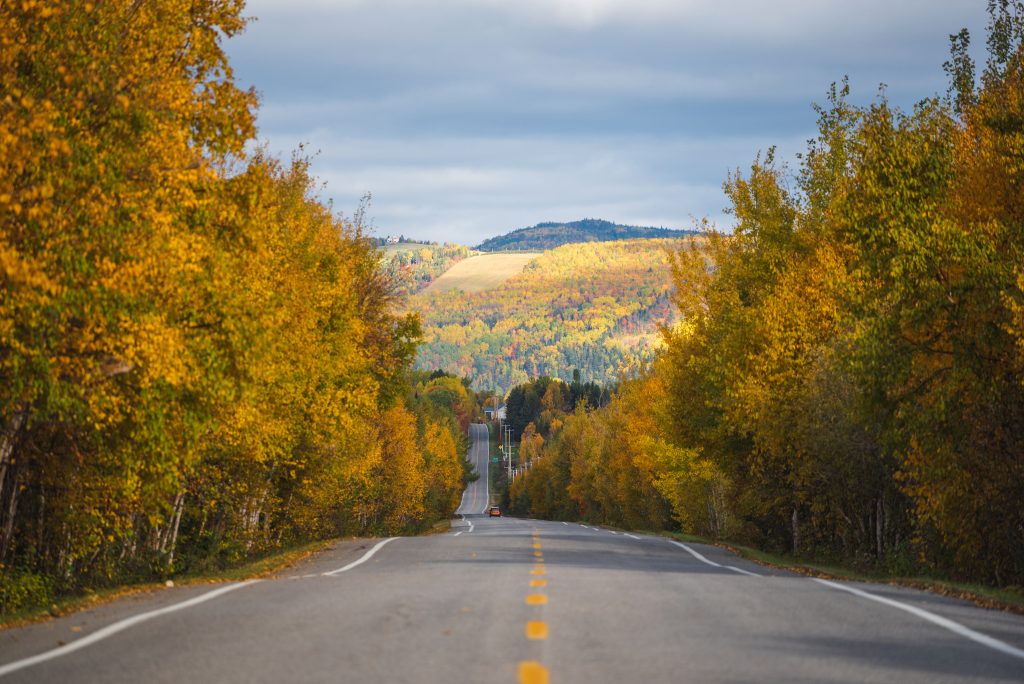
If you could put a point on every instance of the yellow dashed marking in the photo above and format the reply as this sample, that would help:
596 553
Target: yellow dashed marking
535 630
536 600
538 583
532 672
536 546
538 554
537 570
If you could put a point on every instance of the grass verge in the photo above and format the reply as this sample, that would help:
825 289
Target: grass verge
1009 600
262 567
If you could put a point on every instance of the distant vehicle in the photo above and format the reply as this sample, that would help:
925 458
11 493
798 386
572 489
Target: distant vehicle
494 512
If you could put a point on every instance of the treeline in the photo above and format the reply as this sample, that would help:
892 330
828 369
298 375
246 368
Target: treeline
595 307
544 236
198 362
849 380
544 399
410 269
595 463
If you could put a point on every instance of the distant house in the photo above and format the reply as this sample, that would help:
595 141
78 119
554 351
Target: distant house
489 412
391 240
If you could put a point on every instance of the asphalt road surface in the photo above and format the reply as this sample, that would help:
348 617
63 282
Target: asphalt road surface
476 498
508 600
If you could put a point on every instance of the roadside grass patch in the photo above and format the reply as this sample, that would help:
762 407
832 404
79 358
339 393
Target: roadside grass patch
39 610
1009 599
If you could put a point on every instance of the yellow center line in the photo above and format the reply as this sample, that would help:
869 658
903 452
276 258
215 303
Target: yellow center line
536 630
532 672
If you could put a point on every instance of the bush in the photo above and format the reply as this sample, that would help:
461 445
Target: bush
23 589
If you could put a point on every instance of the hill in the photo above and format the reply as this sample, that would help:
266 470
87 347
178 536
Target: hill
481 272
593 306
412 266
550 235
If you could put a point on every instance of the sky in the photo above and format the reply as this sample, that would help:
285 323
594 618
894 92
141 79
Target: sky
465 119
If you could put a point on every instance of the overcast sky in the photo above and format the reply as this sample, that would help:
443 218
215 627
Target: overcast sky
469 118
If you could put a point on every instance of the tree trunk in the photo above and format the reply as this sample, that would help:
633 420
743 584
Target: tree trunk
879 528
9 471
179 506
796 530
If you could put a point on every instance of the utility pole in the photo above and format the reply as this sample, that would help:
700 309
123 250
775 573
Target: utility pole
508 448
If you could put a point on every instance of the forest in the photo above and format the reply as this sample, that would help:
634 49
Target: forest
596 307
847 381
549 235
199 362
410 266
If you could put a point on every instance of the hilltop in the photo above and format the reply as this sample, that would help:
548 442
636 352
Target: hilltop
550 235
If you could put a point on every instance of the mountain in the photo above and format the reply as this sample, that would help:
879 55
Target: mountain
550 235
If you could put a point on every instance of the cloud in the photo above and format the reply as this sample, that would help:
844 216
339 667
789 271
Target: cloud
465 189
470 117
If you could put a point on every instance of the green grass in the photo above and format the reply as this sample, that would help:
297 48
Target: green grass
262 567
1008 599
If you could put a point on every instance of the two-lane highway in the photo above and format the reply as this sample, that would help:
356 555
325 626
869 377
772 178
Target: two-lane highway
476 498
508 600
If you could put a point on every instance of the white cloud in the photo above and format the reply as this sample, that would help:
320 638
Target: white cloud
466 118
467 189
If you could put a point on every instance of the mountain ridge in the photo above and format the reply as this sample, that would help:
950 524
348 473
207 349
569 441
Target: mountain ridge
551 234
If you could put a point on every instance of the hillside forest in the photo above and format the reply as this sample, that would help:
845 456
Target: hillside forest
549 235
595 307
848 379
199 362
409 267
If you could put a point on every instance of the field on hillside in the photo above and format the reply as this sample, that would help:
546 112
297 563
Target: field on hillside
412 266
481 272
592 306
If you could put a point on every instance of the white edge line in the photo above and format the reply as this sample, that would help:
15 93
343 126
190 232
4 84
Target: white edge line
564 523
119 626
945 623
742 571
630 535
702 559
696 555
457 533
366 556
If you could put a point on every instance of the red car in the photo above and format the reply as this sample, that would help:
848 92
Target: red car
494 512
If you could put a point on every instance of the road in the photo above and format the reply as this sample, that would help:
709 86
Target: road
476 498
509 600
